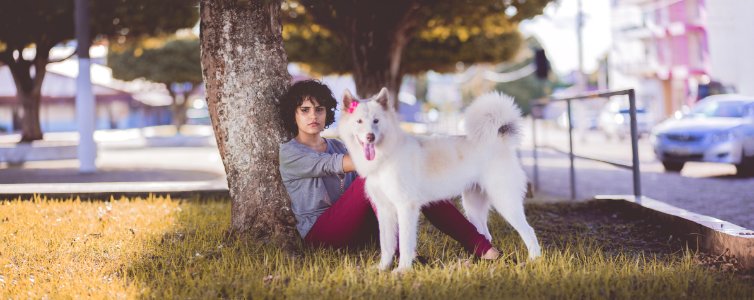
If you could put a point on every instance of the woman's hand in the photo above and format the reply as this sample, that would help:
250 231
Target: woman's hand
348 164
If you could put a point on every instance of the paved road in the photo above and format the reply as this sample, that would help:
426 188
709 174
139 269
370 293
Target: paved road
709 189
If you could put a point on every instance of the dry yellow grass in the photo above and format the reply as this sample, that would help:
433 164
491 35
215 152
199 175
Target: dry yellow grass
78 249
164 248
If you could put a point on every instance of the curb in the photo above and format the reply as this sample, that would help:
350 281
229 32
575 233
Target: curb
712 235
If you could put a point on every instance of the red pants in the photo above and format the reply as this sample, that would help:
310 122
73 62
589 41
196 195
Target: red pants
351 222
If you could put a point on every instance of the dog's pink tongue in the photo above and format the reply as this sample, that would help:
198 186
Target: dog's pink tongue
369 151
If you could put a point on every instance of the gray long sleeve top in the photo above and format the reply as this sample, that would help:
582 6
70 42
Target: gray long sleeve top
314 180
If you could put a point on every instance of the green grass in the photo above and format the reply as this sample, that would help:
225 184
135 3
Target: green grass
163 248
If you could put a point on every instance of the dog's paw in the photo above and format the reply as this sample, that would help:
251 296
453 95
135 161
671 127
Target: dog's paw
535 253
401 270
383 266
403 266
534 256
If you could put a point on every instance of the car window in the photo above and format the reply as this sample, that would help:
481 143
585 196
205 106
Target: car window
720 109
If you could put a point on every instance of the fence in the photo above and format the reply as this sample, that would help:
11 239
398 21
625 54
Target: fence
587 96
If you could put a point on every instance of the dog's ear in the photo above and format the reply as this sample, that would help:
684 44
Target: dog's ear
347 100
383 98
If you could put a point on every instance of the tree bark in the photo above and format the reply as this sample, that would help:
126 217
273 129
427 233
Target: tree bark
31 130
28 88
376 56
179 110
245 71
377 33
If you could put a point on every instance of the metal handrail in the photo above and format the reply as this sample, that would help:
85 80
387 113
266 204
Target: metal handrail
571 156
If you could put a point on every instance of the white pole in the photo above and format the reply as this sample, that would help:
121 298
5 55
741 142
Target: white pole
581 82
85 114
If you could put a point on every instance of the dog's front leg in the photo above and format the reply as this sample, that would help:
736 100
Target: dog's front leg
388 225
408 219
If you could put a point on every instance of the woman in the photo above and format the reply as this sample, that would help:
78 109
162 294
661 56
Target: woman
327 198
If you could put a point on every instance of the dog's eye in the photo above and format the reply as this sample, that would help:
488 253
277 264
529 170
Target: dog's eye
358 121
376 121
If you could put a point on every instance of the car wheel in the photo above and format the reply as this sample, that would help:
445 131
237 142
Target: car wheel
746 167
672 166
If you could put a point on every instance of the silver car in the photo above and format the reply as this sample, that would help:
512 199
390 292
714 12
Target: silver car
719 129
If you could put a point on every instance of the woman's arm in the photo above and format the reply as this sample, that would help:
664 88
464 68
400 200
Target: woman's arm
348 164
298 162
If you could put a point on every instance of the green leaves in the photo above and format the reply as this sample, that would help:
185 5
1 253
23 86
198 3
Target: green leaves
51 21
176 60
442 33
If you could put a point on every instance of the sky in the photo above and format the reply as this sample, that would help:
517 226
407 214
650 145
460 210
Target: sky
556 31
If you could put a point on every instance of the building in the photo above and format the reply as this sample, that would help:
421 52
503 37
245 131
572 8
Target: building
660 48
729 23
119 104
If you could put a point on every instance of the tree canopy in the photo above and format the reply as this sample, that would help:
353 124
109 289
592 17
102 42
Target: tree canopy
49 22
441 34
165 61
42 24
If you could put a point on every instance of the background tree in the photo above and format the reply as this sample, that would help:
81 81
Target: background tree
527 88
380 41
245 71
167 61
42 24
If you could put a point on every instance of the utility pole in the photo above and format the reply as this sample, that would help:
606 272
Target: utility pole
581 80
85 113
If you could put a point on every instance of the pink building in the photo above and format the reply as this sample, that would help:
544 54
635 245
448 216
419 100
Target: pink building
662 46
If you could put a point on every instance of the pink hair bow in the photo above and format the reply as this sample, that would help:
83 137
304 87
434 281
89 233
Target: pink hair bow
353 106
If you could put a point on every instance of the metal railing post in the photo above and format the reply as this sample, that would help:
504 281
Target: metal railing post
534 151
570 149
571 155
634 144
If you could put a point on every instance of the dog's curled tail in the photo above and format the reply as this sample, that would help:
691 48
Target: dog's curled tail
491 116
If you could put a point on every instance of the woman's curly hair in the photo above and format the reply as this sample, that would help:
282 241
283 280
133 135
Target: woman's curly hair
295 96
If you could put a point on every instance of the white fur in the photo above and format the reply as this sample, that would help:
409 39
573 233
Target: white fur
409 172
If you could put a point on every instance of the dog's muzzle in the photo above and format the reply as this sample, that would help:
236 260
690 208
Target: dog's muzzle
368 147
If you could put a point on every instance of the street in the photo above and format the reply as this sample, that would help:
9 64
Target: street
705 188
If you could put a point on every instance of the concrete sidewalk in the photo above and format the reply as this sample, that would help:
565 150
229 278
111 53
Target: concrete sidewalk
124 167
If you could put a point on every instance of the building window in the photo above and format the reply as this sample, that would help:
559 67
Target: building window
695 51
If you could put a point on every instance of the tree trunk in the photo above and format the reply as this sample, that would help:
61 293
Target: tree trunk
28 88
376 57
179 111
245 71
376 50
31 130
377 33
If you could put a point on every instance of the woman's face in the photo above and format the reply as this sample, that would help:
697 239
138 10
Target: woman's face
310 117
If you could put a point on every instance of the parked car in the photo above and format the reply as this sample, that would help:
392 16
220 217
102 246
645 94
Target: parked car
615 119
719 128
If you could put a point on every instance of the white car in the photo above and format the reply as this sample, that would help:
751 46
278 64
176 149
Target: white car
719 129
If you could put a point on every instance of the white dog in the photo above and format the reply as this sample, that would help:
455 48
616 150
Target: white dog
404 173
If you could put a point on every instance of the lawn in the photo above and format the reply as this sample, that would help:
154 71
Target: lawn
167 248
